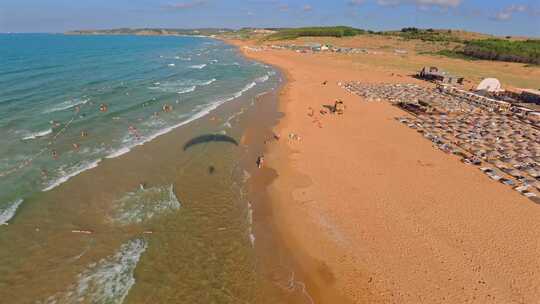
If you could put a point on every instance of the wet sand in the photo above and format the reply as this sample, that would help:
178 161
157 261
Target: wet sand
370 210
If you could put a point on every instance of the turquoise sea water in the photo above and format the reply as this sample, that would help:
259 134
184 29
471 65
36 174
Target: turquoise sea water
68 102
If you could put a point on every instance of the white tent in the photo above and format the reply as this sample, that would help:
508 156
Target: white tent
489 85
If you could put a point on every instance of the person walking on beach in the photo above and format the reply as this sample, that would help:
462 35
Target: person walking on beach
260 161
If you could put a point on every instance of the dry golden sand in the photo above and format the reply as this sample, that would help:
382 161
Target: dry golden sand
372 210
510 74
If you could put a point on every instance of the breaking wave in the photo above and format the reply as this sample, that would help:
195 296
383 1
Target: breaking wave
66 105
8 212
37 134
205 83
67 173
187 90
181 87
198 66
107 281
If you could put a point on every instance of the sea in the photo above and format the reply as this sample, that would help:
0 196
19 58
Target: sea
123 170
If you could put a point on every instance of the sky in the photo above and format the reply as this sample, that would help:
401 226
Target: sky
500 17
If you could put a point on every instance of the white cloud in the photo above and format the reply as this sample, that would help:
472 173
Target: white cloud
423 4
307 8
389 2
506 13
356 2
439 3
185 5
283 7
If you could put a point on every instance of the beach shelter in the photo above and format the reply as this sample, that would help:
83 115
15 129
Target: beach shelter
492 85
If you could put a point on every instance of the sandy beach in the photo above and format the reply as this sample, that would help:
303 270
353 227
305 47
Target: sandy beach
373 213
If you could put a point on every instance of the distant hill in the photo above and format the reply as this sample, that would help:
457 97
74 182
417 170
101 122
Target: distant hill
455 43
321 31
152 31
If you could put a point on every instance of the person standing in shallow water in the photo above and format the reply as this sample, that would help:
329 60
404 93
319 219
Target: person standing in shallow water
260 161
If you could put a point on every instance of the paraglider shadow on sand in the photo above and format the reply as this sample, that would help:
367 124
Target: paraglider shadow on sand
206 138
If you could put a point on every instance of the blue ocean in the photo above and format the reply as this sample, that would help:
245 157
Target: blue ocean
69 102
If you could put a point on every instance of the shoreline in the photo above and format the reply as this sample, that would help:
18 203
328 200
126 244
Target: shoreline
412 237
303 268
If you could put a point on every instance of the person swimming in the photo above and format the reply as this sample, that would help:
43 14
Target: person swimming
167 108
103 108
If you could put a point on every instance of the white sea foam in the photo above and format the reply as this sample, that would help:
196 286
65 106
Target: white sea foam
250 213
250 223
262 78
205 83
155 122
235 115
171 64
143 205
8 211
247 88
66 105
246 176
107 281
37 134
67 173
182 86
187 90
119 152
198 66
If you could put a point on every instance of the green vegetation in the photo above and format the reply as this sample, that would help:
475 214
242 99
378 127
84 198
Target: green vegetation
410 33
527 51
334 31
454 54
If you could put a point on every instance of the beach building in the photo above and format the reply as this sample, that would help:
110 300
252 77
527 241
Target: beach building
435 74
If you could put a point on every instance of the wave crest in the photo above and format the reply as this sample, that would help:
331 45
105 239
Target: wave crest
107 281
38 134
8 212
66 105
198 66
